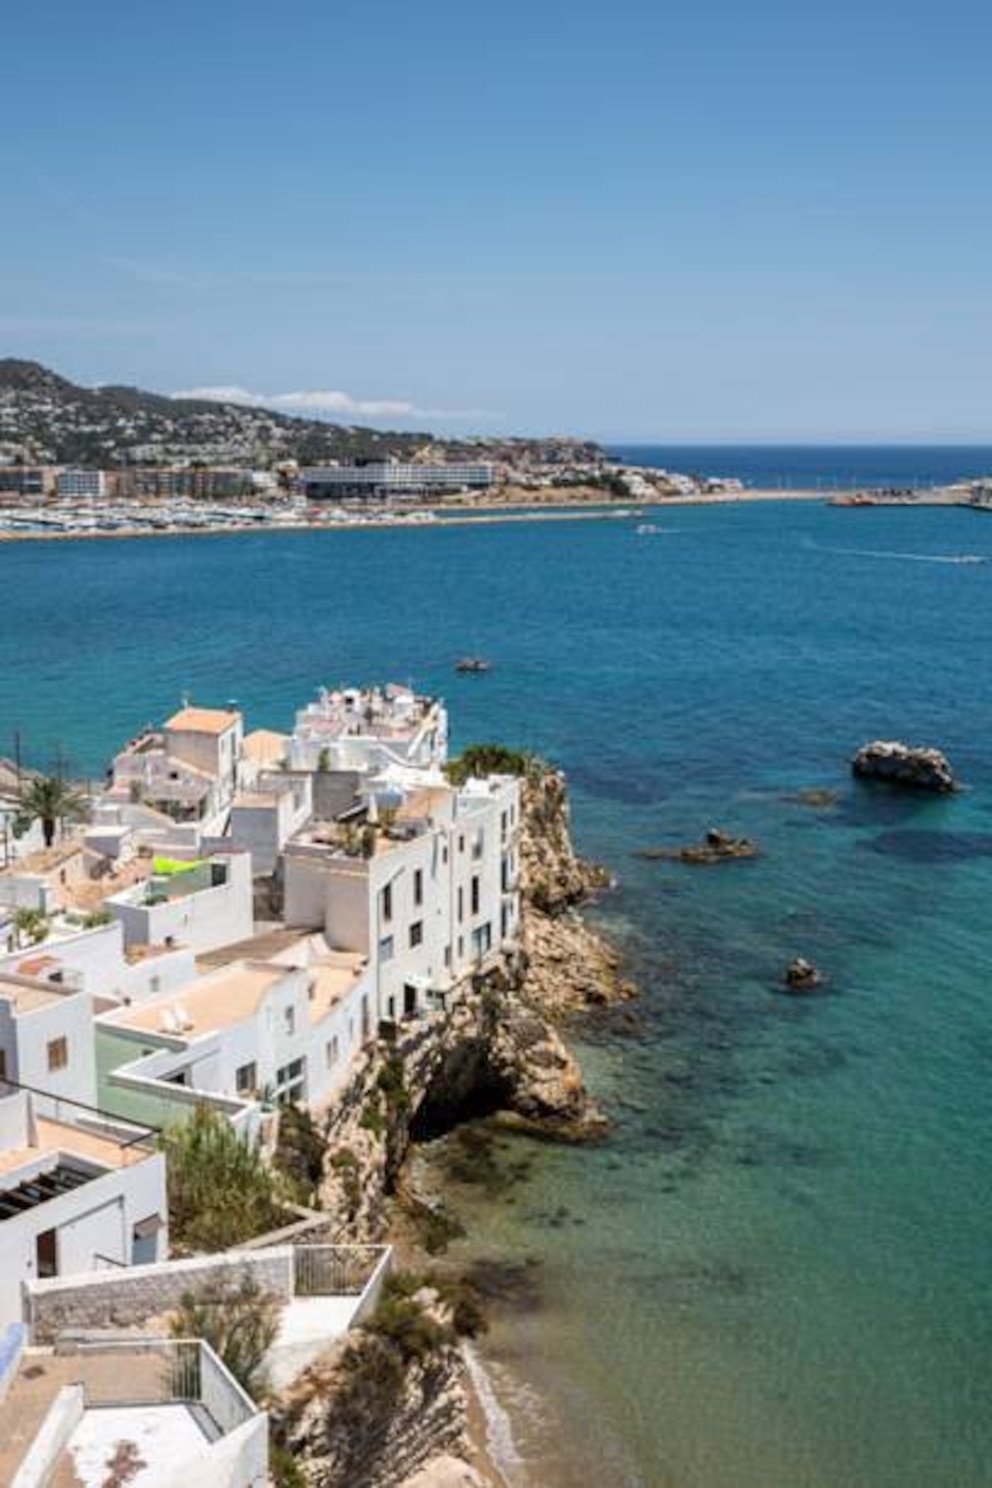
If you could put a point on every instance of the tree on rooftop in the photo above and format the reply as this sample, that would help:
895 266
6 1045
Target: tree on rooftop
52 802
221 1191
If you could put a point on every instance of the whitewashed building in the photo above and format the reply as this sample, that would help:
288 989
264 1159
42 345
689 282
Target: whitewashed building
201 904
76 1193
428 898
247 1035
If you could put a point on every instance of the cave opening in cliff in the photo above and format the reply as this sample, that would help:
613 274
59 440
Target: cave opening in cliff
465 1088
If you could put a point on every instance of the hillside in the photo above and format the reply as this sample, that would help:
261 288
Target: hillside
45 419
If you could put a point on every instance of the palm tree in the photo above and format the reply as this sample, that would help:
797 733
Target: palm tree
51 801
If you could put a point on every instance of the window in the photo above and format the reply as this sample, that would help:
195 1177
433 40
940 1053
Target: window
478 843
461 844
416 933
386 948
447 955
58 1054
503 822
291 1082
475 894
387 902
418 886
331 1052
246 1079
461 903
461 946
3 1064
289 1018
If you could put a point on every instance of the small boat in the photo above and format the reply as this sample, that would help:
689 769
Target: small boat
647 529
473 664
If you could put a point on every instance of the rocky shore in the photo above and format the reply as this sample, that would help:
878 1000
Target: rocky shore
496 1052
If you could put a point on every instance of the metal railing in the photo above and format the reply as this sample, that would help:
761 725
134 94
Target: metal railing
334 1270
135 1140
162 1371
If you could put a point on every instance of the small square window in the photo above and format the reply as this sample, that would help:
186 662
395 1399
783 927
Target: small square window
416 933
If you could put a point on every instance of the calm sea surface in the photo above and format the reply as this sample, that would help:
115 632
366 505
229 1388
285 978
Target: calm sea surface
777 1273
818 467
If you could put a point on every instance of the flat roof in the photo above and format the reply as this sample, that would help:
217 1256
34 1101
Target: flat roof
264 746
29 993
218 1000
203 720
331 981
59 1136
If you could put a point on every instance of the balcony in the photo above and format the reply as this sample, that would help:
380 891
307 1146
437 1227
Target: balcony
148 1407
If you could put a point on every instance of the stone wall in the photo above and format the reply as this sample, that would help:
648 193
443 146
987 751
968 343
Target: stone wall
128 1299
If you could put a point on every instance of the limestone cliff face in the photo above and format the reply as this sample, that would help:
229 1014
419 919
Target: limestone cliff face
355 1421
496 1050
375 1410
552 875
567 965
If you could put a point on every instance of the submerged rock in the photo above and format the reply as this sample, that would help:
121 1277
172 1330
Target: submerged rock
716 847
802 976
819 798
905 765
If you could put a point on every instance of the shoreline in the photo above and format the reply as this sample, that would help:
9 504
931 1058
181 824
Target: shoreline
478 514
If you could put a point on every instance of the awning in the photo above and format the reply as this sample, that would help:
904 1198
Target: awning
146 1228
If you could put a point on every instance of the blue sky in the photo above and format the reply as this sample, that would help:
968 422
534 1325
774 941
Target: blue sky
722 221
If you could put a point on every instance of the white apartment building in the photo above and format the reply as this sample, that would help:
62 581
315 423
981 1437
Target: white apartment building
248 1035
358 730
187 770
427 898
76 1193
393 478
265 817
203 904
46 1039
82 485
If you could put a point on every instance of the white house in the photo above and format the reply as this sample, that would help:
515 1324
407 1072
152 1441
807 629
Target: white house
46 1039
367 729
75 1195
202 904
90 954
248 1033
264 818
209 739
428 897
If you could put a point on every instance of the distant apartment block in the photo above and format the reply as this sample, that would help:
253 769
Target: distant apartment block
393 478
27 481
183 482
82 485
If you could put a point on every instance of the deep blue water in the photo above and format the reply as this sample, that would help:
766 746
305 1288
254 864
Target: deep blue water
818 467
777 1272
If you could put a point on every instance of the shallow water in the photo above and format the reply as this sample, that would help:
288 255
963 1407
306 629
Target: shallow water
776 1274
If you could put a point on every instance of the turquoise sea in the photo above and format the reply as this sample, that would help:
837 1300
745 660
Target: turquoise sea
777 1273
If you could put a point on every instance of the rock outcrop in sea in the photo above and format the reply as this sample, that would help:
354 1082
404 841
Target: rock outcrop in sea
717 846
910 766
802 976
495 1052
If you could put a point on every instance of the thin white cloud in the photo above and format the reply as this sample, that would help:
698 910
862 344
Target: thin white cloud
322 401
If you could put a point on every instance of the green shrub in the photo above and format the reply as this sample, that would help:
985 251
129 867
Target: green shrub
492 759
238 1320
221 1192
299 1154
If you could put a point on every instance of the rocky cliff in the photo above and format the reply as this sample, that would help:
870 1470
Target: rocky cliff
494 1051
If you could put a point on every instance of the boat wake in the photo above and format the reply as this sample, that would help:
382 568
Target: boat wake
953 558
